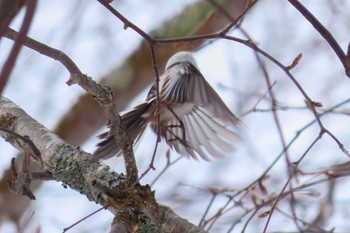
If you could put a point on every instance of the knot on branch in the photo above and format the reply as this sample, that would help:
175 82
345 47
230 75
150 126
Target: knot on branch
131 207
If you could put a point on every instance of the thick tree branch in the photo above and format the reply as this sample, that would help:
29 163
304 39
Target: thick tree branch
136 74
102 94
69 164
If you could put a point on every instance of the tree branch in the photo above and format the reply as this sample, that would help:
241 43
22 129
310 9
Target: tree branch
72 166
344 58
103 94
12 58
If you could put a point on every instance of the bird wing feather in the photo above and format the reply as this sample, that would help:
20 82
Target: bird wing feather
184 83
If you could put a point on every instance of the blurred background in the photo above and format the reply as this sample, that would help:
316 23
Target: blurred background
97 42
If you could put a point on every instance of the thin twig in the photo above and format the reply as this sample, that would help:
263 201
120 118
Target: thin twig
12 58
81 220
9 10
167 166
45 50
34 151
344 58
155 70
202 221
127 23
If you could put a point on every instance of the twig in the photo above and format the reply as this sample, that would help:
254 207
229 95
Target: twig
127 23
202 221
34 152
26 222
45 50
103 95
288 181
12 58
344 58
81 220
8 10
167 166
155 70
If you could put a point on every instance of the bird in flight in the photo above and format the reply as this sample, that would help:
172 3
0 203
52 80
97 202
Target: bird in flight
193 119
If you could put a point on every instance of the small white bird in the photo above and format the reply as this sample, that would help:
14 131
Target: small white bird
193 118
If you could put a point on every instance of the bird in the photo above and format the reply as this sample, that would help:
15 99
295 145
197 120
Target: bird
193 120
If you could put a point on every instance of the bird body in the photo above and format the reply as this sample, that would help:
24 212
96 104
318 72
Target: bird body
192 117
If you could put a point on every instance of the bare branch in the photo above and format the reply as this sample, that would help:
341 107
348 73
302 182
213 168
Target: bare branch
344 58
104 96
73 167
11 60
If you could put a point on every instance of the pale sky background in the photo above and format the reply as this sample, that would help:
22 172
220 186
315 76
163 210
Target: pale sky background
96 41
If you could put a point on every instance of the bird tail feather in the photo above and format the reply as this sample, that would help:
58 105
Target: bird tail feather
134 125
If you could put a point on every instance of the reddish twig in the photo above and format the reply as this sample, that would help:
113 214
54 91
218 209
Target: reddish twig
344 58
81 220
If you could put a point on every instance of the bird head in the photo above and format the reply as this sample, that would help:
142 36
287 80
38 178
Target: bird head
181 57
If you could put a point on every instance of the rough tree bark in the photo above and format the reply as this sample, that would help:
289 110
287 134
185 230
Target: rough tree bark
127 80
135 207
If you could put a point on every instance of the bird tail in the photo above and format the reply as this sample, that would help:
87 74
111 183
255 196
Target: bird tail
134 125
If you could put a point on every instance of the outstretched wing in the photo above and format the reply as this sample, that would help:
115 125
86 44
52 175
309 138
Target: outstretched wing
183 83
206 130
198 133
